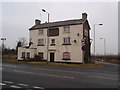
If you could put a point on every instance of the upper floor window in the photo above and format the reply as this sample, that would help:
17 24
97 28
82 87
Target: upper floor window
66 29
66 41
53 32
52 42
40 32
40 42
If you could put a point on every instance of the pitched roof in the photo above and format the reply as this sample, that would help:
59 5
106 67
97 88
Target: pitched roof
56 24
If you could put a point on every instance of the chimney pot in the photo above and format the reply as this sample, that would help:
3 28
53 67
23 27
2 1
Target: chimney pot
37 22
84 16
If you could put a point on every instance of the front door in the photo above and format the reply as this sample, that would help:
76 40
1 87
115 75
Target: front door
52 55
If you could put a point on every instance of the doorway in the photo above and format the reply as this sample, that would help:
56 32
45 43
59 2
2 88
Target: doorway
52 56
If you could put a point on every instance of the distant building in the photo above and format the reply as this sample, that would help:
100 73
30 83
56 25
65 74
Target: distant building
69 41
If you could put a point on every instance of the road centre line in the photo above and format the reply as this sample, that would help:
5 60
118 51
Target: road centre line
44 74
9 65
2 84
13 86
73 71
103 77
1 68
22 84
8 82
38 87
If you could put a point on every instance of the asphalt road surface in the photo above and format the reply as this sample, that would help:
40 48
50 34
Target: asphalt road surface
42 77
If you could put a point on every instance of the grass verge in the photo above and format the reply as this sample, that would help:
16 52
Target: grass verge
90 65
109 61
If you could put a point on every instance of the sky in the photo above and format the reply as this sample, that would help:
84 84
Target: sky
17 17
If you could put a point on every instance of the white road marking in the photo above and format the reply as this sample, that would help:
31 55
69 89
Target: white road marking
38 87
1 68
44 74
61 71
2 84
103 77
73 71
23 84
8 82
14 86
10 66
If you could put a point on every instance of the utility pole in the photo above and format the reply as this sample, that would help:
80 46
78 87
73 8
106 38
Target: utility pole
94 36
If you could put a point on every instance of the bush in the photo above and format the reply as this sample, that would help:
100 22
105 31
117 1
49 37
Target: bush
37 58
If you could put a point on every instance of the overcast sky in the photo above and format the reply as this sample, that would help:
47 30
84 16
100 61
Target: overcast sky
18 17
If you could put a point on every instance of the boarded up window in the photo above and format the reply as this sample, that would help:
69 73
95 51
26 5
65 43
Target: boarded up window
66 56
53 32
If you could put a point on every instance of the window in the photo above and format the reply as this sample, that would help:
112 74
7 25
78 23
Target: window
66 41
66 56
28 55
40 32
52 42
53 32
41 55
23 54
66 29
40 42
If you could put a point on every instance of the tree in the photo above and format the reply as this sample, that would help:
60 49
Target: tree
21 43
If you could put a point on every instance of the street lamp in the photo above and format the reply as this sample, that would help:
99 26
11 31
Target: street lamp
47 32
94 36
47 13
3 39
104 47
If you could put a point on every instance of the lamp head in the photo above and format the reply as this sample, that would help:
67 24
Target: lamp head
43 10
100 24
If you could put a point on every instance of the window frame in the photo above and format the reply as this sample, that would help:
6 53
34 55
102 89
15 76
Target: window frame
28 55
40 42
40 32
66 29
52 42
42 55
23 54
66 41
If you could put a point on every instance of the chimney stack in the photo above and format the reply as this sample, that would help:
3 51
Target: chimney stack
84 16
37 22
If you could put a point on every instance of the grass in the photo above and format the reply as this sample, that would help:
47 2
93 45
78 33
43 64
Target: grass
90 65
109 61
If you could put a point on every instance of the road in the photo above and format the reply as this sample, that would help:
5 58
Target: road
42 77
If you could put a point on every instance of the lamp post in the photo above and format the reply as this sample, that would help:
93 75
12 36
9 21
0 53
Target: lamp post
47 32
3 39
104 47
94 36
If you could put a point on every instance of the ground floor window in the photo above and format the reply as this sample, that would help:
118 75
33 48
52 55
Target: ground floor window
66 56
23 54
28 54
41 54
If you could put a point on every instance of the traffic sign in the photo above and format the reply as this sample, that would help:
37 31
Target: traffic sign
83 48
83 40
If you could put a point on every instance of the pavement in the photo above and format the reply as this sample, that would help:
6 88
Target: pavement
39 77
